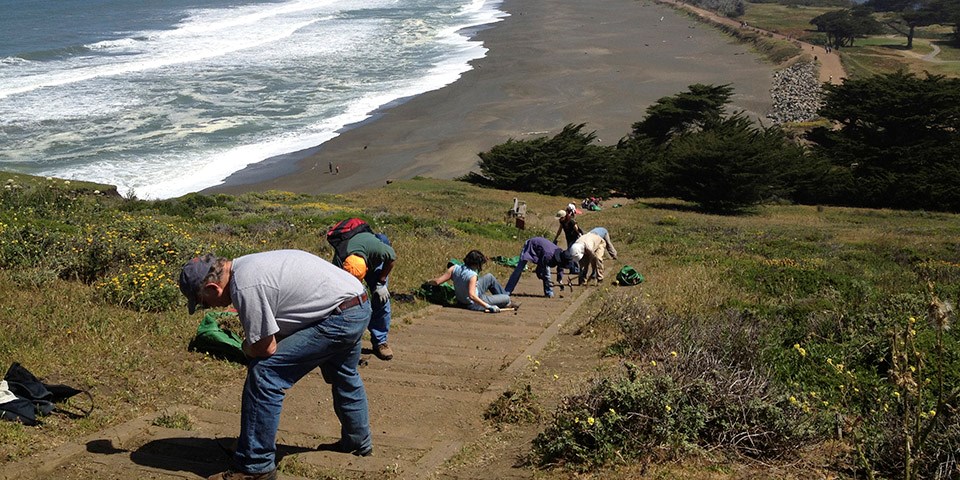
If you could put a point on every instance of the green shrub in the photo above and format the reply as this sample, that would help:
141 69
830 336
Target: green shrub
668 408
142 287
687 384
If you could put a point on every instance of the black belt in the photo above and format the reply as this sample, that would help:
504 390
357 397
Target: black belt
353 302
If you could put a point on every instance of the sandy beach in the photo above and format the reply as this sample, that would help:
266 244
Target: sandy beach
549 64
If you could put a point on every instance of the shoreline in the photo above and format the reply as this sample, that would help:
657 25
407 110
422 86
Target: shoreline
548 64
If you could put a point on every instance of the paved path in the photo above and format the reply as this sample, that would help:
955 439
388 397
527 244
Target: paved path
425 405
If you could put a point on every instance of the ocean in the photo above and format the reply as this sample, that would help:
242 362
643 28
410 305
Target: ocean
166 98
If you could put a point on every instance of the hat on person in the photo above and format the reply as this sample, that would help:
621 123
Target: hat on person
562 258
191 278
576 251
561 213
571 208
355 265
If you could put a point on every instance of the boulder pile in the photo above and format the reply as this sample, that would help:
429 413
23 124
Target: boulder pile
797 94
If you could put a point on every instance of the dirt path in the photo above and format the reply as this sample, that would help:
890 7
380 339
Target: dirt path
426 406
831 70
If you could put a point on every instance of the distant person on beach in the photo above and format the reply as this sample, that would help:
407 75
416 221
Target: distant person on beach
589 250
370 258
568 225
480 293
337 170
331 168
299 312
545 255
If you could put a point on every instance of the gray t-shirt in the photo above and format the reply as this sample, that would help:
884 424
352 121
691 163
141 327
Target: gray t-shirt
282 291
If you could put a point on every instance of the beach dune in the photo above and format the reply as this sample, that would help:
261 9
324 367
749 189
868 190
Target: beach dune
549 64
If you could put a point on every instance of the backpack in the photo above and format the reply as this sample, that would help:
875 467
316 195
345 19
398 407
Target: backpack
26 397
344 230
442 294
507 261
628 276
219 342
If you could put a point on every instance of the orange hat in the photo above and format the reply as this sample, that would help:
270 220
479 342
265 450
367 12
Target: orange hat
356 266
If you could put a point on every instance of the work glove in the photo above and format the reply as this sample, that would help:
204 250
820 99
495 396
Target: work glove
382 294
493 309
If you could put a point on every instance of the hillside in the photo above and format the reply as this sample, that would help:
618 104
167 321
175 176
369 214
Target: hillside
776 299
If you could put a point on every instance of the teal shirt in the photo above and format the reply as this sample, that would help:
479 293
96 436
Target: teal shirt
373 251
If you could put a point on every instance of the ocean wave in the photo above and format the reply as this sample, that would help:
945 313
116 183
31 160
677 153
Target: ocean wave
173 110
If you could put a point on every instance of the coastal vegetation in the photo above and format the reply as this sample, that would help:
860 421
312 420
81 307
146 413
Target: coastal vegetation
903 39
890 141
801 337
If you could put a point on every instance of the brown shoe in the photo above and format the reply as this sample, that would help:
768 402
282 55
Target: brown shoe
383 351
231 475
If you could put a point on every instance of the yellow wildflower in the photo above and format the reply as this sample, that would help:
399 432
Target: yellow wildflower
590 420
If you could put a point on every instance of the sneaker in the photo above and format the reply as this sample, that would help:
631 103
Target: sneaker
231 475
383 351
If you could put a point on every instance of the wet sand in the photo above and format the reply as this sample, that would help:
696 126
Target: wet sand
549 64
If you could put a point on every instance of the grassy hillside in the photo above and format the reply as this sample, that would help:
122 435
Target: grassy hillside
869 56
89 299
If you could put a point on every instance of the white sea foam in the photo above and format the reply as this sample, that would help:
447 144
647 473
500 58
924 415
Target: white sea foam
171 111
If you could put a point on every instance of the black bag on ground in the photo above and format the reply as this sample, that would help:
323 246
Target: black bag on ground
43 397
344 230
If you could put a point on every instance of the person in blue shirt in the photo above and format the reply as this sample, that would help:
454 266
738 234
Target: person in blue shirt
545 255
473 291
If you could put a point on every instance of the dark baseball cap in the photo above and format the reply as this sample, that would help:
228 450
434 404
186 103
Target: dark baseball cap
191 278
562 258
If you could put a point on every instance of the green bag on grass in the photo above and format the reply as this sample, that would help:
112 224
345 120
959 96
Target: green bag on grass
219 342
442 294
628 276
507 261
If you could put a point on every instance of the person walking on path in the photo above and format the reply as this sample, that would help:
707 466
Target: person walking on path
545 255
589 250
568 225
480 293
372 261
298 312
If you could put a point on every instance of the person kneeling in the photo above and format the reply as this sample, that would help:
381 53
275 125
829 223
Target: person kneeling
480 293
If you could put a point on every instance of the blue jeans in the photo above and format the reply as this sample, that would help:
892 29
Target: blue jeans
380 319
490 291
382 313
515 279
333 345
